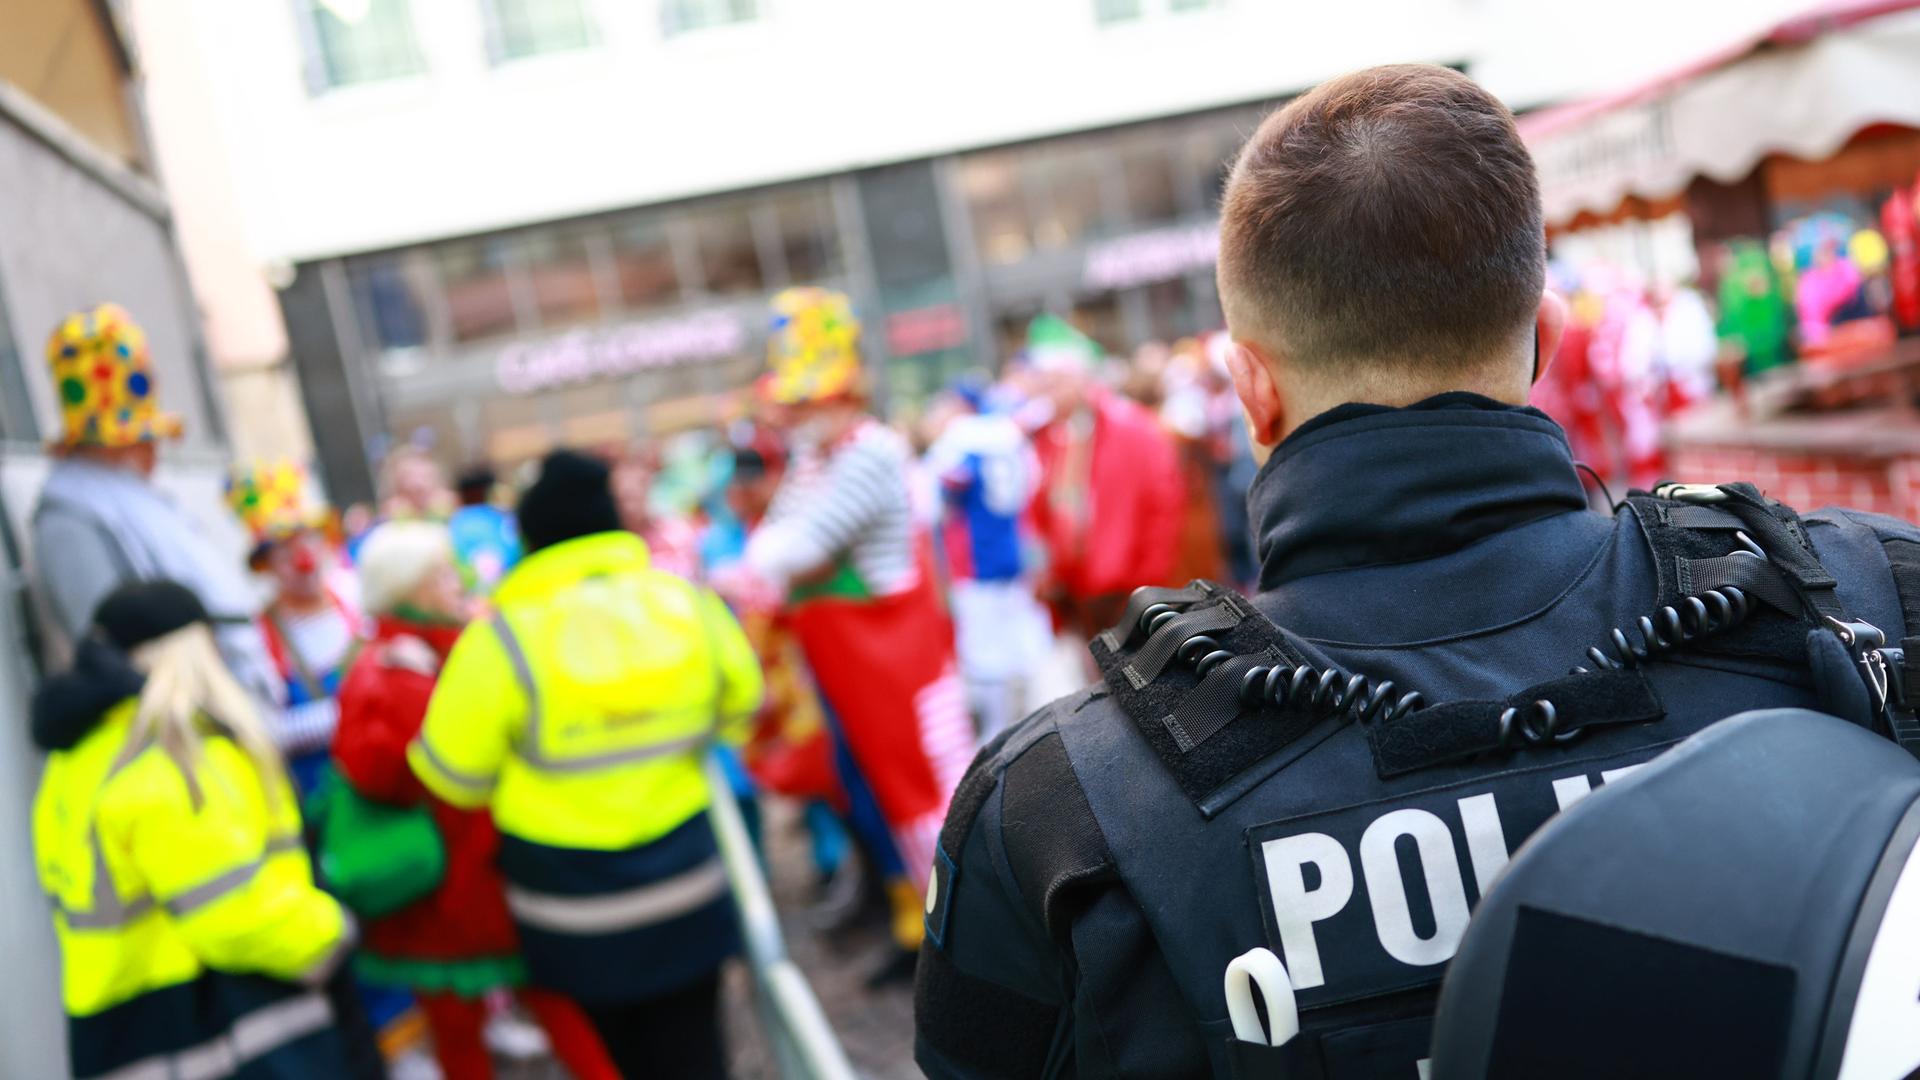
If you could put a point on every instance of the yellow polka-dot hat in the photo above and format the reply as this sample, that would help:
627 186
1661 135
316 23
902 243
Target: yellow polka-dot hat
271 500
104 378
813 353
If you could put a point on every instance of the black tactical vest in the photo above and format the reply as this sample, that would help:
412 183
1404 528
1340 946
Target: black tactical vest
1251 793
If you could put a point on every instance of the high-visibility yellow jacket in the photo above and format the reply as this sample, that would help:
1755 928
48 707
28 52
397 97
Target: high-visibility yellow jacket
580 712
159 884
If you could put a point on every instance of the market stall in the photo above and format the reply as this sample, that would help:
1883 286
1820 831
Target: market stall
1739 237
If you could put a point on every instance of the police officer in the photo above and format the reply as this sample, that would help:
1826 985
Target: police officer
1336 769
579 713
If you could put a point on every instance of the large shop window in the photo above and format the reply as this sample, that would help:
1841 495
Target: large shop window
729 258
809 236
432 428
1211 158
1146 171
643 258
560 268
479 291
359 41
680 16
521 28
992 185
1076 206
389 300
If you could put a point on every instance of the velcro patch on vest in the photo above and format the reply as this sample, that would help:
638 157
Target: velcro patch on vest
1246 736
1372 899
1455 730
1677 543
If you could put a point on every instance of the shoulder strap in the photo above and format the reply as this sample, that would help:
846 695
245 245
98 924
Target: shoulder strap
1904 662
1053 842
1216 688
1776 563
1220 700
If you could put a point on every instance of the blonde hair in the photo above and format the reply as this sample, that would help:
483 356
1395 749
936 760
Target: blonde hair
188 684
397 557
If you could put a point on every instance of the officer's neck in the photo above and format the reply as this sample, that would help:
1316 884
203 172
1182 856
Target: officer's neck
1310 396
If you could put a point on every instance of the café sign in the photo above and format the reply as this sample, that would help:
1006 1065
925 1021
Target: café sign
1159 255
610 352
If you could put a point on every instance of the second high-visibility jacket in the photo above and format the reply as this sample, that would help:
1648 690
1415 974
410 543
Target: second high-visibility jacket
191 932
579 713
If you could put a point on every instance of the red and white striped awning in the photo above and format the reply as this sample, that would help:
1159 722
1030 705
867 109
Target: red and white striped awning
1802 88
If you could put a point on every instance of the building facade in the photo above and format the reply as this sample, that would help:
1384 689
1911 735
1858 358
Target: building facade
82 220
499 226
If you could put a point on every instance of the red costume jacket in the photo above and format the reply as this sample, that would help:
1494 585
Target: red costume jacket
1134 494
382 702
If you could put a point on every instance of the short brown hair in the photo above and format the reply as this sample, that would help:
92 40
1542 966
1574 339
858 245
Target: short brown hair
1391 215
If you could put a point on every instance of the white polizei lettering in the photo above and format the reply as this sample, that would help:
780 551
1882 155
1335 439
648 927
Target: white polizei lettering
1608 776
1295 907
1387 892
1570 790
1486 840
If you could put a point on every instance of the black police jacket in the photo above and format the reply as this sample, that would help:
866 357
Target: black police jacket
1106 858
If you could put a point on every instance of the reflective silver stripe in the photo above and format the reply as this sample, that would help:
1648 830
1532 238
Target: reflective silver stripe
478 784
589 762
522 674
105 918
109 911
207 892
607 913
249 1038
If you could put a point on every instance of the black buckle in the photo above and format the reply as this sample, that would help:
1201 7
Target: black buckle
1691 493
1868 644
1902 710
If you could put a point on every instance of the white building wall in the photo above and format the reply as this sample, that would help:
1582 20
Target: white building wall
810 87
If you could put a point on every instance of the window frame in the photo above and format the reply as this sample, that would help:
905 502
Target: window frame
672 27
318 72
496 35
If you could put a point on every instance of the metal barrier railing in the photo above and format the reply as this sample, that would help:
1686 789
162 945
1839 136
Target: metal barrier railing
804 1045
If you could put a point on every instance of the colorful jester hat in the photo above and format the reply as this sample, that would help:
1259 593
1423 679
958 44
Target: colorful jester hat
813 351
104 377
270 499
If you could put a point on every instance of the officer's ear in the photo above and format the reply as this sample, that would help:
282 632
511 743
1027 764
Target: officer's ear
1549 326
1252 369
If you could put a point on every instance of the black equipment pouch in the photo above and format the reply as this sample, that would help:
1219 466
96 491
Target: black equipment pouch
1798 617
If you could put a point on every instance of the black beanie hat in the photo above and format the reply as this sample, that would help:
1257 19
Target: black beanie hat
572 498
135 614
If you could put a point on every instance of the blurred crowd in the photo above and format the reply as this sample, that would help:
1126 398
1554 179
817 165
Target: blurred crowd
1830 289
434 765
406 708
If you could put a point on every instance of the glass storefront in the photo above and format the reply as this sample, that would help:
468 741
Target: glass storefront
501 347
597 330
1115 230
